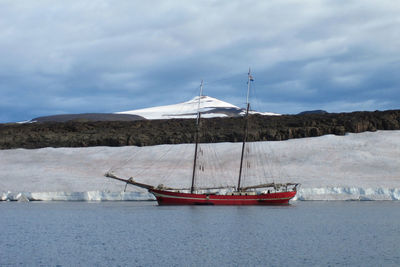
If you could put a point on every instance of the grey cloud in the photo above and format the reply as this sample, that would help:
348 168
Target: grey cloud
103 56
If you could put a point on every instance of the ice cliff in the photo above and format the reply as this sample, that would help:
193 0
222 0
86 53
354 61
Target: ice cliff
364 166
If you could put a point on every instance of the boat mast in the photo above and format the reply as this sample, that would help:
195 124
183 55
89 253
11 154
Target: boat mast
196 138
245 129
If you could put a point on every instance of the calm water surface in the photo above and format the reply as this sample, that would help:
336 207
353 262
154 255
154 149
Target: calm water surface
144 234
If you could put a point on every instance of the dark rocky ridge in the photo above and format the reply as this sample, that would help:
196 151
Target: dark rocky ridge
318 111
84 117
175 131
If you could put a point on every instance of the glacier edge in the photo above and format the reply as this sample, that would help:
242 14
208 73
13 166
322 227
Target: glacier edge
303 194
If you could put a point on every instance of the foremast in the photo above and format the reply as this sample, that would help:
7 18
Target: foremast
245 130
196 138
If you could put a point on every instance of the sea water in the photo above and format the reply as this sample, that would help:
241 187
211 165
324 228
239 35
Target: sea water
144 234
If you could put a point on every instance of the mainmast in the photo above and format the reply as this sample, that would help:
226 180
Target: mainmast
245 129
196 138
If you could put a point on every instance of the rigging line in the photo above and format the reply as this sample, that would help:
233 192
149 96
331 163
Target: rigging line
217 162
166 175
281 170
251 162
105 183
277 166
246 160
180 111
256 158
186 98
217 165
115 167
257 161
214 164
263 157
207 162
200 165
208 174
267 156
207 168
271 158
192 187
245 132
182 155
126 161
151 163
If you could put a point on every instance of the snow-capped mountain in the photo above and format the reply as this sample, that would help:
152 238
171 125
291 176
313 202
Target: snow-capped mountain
209 107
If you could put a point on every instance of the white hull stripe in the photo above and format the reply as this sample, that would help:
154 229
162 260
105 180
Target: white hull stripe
213 199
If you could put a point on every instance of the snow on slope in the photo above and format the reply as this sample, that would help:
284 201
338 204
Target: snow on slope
363 166
209 107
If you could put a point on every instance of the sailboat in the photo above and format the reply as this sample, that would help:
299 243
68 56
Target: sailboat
262 194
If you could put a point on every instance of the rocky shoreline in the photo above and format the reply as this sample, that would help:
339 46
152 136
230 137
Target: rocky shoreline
176 131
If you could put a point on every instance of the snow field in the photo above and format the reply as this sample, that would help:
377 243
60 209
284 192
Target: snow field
363 166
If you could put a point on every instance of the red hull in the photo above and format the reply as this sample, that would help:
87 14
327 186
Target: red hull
174 198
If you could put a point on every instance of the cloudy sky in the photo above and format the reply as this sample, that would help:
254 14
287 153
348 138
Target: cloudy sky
105 56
